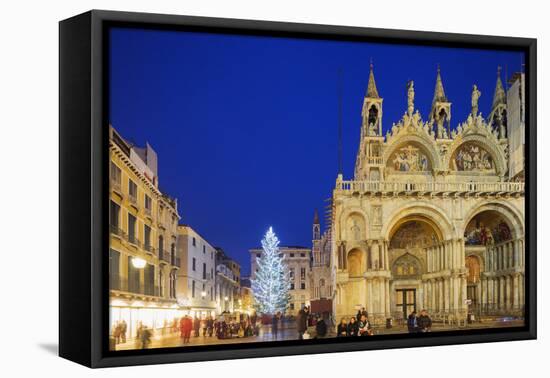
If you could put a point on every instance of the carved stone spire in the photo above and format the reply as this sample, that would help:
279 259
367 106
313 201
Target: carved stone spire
316 232
440 115
499 96
439 92
498 117
372 92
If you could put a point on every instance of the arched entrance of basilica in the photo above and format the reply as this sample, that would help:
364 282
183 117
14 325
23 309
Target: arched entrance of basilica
494 261
408 248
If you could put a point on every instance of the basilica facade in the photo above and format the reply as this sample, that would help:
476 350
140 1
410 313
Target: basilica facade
434 216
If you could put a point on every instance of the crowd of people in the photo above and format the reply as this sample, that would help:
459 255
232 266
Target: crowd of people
223 327
227 326
357 326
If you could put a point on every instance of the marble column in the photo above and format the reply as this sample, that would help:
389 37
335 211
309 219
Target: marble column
433 294
464 286
441 295
521 286
386 255
388 298
508 292
381 293
516 291
522 253
446 294
369 296
503 294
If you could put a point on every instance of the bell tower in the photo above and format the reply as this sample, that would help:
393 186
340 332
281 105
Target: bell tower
316 242
368 165
372 108
440 115
498 116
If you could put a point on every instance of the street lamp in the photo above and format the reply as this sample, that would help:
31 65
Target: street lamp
203 294
138 263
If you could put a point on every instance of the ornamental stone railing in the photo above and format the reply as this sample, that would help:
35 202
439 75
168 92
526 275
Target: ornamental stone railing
430 187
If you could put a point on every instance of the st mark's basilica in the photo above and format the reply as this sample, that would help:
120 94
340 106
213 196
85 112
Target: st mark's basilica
434 216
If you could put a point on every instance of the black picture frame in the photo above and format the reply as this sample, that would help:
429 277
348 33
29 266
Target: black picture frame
83 227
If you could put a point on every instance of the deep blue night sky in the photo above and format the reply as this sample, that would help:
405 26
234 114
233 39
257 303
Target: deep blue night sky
245 127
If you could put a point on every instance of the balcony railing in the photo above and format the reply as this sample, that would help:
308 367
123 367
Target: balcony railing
121 284
164 256
115 230
430 187
149 248
133 240
375 160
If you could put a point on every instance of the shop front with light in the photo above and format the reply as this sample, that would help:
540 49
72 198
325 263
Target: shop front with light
156 315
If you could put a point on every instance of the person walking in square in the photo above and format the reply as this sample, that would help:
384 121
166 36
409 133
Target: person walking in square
123 329
424 322
301 323
275 326
197 326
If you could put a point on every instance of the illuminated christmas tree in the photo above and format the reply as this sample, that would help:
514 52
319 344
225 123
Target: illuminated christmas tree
271 284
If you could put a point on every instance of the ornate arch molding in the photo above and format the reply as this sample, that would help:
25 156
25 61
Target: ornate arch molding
346 214
437 217
488 144
508 211
427 144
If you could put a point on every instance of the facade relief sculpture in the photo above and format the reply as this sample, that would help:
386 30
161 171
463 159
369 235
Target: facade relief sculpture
486 230
413 235
472 158
406 266
409 159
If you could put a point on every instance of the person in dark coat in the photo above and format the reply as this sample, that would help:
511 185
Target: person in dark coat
364 326
210 326
412 322
275 326
424 322
353 327
197 326
342 328
301 323
145 337
362 312
320 328
123 329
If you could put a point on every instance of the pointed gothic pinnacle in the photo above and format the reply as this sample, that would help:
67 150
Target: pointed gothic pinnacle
439 92
499 97
372 92
316 217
